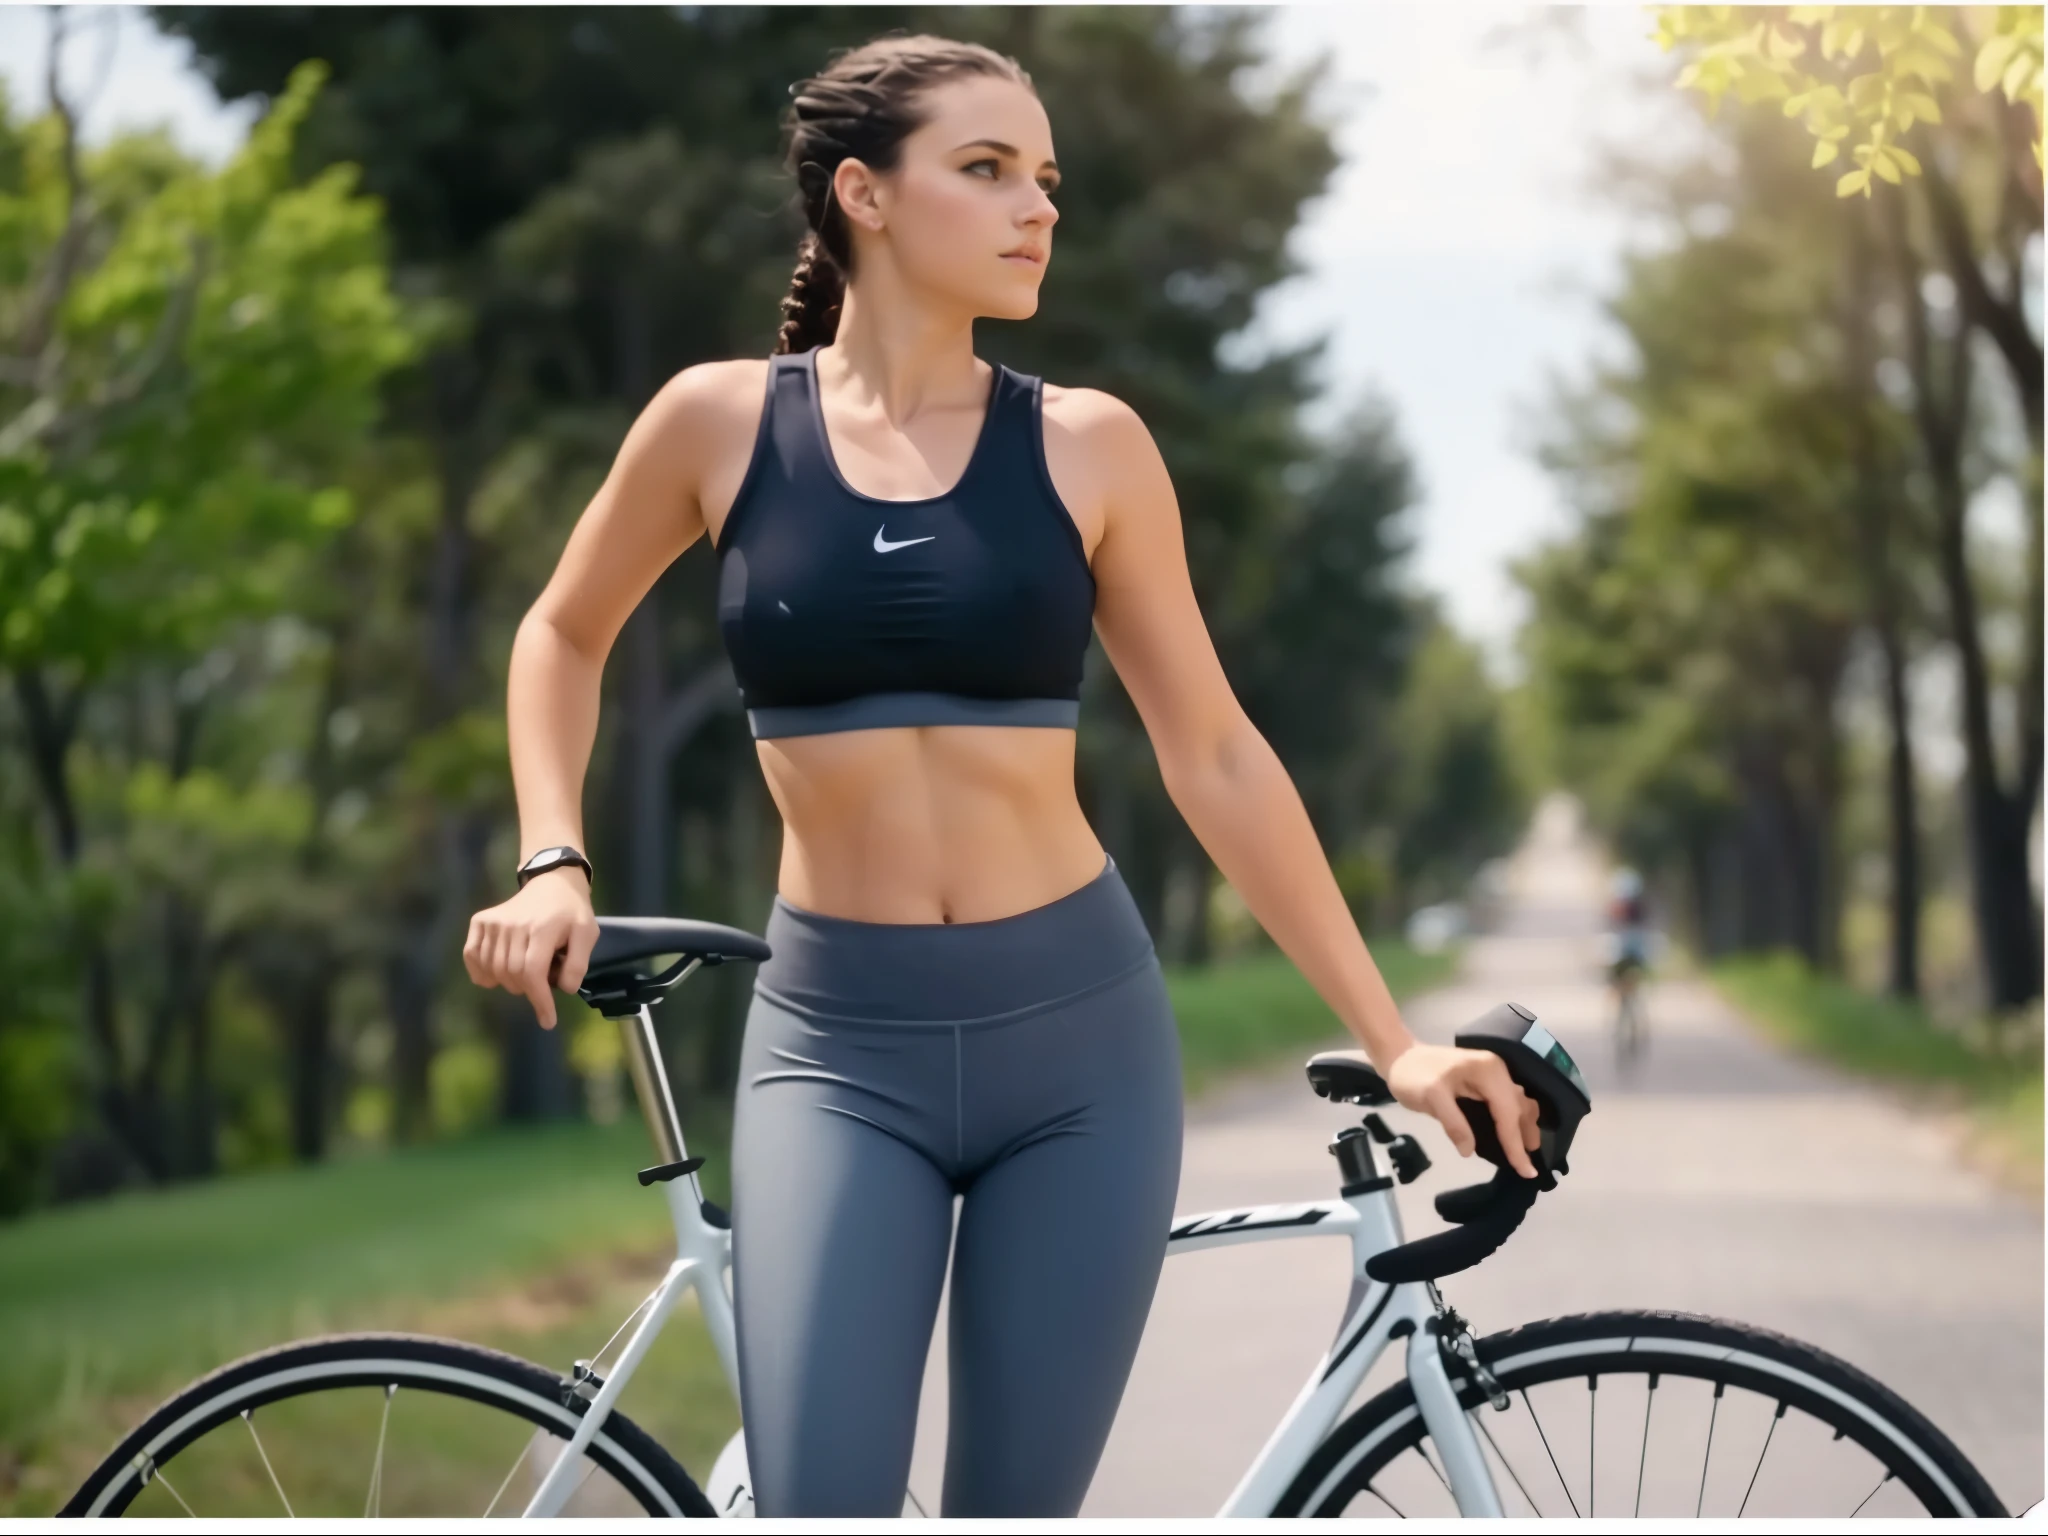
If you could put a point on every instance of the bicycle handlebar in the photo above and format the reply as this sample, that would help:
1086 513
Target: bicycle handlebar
1484 1216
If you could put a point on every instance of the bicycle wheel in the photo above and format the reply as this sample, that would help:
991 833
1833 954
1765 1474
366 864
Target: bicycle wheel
1654 1413
377 1424
1630 1019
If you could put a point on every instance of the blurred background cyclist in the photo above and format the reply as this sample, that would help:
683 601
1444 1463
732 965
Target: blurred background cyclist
1628 923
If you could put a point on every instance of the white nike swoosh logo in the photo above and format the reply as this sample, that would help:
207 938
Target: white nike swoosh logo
883 546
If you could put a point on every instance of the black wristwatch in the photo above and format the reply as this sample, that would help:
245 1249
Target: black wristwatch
553 858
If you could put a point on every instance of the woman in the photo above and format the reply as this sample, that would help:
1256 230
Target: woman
913 547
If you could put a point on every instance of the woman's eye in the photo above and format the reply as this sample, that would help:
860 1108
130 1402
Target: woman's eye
990 165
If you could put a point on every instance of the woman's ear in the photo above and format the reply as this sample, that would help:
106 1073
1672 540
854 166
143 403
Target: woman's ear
860 194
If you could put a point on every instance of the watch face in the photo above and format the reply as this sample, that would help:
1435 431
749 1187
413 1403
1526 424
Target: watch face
1546 1045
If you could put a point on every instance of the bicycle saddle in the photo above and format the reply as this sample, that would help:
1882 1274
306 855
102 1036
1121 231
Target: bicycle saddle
1342 1077
622 939
615 984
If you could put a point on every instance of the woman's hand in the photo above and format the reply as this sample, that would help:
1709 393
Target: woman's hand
539 938
1432 1078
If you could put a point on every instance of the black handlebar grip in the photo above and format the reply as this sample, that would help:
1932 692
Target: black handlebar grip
1488 1214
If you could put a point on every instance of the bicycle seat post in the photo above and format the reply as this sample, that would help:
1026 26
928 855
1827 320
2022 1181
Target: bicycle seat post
650 1085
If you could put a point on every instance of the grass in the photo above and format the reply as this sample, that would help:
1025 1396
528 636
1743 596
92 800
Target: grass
1991 1074
1251 1012
538 1242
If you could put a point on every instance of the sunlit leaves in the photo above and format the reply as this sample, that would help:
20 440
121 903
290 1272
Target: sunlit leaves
1864 73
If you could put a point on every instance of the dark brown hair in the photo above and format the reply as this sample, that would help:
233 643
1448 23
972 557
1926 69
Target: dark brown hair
861 107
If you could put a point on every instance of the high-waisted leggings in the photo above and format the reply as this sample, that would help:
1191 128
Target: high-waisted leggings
1028 1065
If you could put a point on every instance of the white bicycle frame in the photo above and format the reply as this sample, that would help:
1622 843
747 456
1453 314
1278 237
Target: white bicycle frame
1374 1316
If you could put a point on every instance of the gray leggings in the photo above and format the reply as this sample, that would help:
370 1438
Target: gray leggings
1029 1065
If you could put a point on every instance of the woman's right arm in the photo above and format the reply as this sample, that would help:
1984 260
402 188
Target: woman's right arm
648 511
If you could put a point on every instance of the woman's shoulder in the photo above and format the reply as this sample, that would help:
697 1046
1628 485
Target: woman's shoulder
709 405
1099 424
1098 428
1098 452
714 394
702 424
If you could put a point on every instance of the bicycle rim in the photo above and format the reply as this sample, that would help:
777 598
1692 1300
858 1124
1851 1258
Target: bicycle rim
377 1425
1654 1414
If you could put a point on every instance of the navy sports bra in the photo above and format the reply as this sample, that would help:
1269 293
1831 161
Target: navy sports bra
844 612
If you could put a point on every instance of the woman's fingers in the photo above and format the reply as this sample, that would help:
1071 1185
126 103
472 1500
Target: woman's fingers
531 952
494 953
1443 1103
1506 1100
533 981
576 959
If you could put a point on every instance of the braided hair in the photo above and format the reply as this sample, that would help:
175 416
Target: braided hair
862 107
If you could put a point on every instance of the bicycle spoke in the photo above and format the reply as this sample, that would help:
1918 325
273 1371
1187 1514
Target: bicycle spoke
1592 1442
1375 1492
1501 1457
249 1418
1538 1422
1719 1388
1760 1455
374 1503
1643 1456
1866 1498
517 1462
1429 1461
152 1472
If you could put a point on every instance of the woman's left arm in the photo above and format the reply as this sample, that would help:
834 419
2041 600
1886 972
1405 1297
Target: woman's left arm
1237 798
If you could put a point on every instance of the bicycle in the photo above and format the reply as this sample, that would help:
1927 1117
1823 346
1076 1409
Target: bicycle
1625 978
1447 1438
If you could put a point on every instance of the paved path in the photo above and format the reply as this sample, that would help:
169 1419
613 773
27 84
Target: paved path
1721 1177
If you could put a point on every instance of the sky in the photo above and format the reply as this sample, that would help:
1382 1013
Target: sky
1454 262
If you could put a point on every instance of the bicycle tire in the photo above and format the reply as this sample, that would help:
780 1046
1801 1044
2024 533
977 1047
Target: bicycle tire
348 1361
1652 1344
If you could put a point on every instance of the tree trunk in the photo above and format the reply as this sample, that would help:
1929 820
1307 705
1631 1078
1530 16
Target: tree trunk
455 837
1902 817
534 1081
201 1152
2008 918
309 1063
1875 512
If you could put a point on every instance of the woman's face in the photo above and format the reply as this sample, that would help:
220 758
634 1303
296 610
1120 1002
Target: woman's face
965 213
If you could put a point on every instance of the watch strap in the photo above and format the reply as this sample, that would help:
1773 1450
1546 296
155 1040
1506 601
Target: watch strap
546 859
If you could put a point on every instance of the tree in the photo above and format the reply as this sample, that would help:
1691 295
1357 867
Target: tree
192 357
1692 637
1880 74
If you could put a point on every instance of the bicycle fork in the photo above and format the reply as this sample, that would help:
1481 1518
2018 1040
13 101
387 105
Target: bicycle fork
1456 1440
1376 1316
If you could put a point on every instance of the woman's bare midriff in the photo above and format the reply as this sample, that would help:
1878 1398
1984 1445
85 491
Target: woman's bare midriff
929 824
917 824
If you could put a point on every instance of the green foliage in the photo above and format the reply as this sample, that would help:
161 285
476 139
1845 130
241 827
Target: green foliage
193 358
1460 800
1687 642
1859 76
219 349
